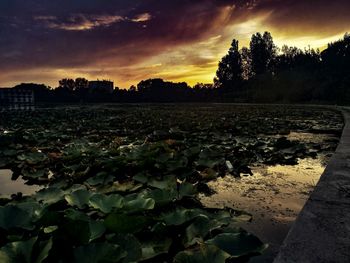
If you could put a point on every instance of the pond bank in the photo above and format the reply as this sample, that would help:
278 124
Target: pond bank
321 232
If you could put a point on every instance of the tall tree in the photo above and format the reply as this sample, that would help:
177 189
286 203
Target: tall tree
67 84
230 71
336 66
263 53
81 84
246 63
337 55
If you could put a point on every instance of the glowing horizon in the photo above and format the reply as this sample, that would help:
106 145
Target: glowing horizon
127 43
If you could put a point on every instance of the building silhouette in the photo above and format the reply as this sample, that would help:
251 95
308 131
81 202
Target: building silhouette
16 99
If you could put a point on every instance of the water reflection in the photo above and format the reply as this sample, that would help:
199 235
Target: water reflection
9 186
274 195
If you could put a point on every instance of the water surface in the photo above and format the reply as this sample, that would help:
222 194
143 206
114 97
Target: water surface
9 186
274 196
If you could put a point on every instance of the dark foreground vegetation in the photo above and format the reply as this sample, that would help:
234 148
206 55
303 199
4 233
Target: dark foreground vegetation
121 184
260 73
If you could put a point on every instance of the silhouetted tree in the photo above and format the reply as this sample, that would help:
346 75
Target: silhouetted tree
229 73
255 74
81 85
263 53
288 58
67 85
246 63
132 88
202 86
336 66
337 55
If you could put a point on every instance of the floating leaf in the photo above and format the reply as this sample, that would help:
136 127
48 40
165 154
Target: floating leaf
74 214
15 252
78 198
130 244
139 203
237 244
9 152
50 229
45 247
34 174
187 189
166 182
98 252
179 216
162 197
199 229
33 208
32 158
176 164
15 217
97 229
106 203
125 187
204 254
101 178
49 195
76 231
23 251
121 223
155 248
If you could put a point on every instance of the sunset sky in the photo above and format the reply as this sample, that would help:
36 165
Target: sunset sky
126 41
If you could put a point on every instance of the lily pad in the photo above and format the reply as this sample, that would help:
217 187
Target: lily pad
49 195
24 251
32 157
179 216
78 198
155 248
121 223
15 217
237 244
98 252
130 244
204 254
106 203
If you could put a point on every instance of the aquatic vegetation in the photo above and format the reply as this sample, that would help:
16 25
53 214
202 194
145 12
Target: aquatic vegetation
120 183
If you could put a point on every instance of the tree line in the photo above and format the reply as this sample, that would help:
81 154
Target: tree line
150 90
265 73
260 73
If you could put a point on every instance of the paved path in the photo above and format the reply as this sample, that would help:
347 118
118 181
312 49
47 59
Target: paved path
321 232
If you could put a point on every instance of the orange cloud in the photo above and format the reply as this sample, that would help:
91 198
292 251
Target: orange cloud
183 40
79 22
142 18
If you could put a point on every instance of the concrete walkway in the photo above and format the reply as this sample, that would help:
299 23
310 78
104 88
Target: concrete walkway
321 232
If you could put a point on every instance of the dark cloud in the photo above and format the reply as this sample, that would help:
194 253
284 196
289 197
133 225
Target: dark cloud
111 35
71 33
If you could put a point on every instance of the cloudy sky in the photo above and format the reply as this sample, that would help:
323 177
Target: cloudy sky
126 41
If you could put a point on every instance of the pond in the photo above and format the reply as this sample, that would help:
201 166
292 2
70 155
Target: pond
143 171
273 195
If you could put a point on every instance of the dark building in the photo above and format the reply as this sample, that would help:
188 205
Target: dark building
16 99
101 86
